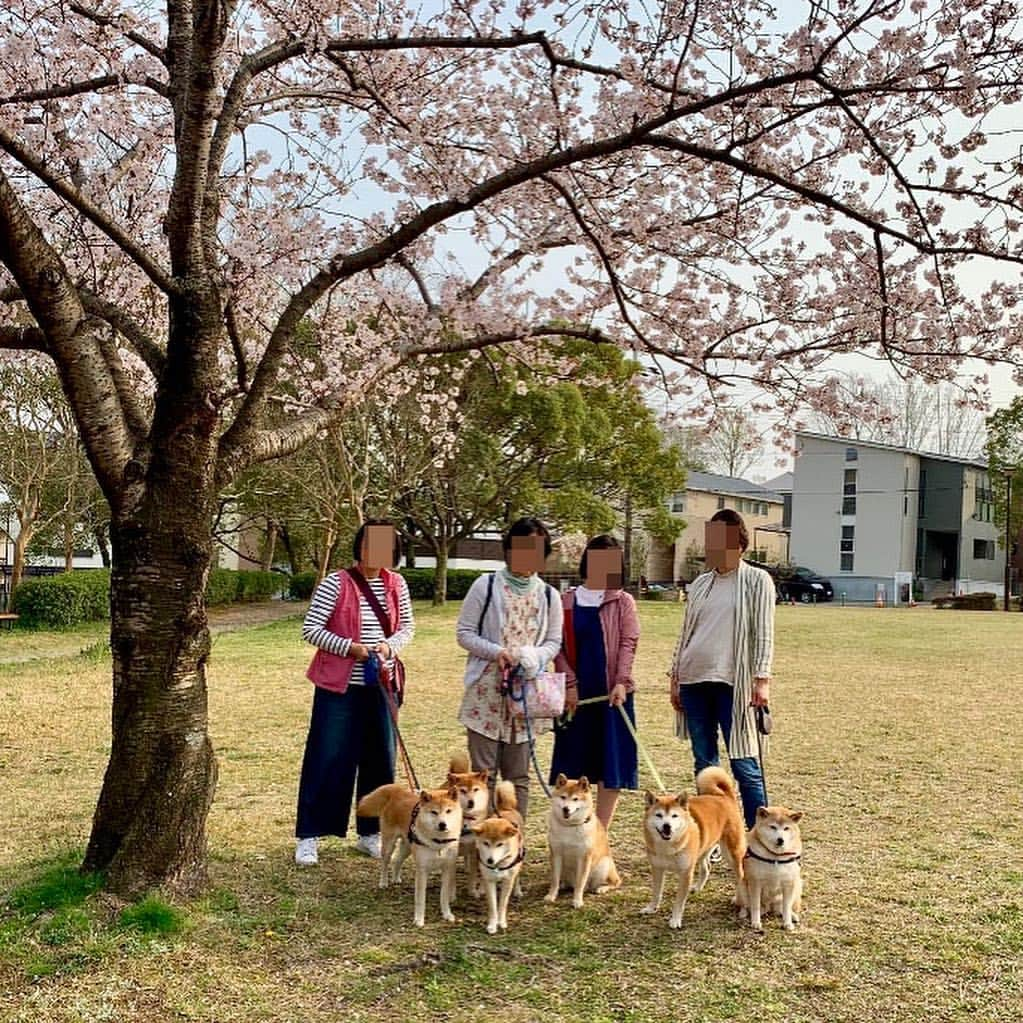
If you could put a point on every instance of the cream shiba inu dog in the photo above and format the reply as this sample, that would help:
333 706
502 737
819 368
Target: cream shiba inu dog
474 797
578 842
500 850
680 832
429 824
774 880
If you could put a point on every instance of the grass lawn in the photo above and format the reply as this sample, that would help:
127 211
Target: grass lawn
898 732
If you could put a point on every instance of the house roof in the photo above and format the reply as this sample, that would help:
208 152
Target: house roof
712 483
853 442
782 484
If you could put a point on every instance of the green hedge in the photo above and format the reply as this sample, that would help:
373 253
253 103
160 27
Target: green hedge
301 585
968 602
62 601
71 598
420 582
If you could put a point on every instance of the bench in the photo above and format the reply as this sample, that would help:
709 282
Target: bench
8 619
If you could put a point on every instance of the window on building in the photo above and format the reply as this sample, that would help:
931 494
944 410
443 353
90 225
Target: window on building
848 505
847 563
847 547
721 503
849 483
851 455
678 503
921 507
984 550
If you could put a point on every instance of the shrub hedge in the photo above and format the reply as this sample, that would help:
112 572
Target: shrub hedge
63 601
968 602
421 582
301 585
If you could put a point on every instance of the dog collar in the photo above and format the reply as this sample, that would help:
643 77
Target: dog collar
764 859
507 866
414 839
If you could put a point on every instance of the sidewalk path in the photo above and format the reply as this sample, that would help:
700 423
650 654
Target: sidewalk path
30 646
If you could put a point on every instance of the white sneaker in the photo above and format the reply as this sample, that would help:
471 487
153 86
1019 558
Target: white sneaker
715 854
370 845
306 852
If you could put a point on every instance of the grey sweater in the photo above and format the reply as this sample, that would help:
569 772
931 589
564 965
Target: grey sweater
485 644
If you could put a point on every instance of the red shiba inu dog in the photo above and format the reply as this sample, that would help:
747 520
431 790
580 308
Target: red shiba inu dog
474 797
578 842
773 875
680 832
500 850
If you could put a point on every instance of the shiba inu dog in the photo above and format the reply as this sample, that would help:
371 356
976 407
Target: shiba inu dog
474 796
500 850
578 842
773 876
680 832
432 823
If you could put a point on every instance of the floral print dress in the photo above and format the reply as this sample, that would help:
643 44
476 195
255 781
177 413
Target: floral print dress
483 708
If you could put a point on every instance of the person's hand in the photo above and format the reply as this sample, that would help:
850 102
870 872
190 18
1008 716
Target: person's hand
505 660
571 699
359 652
761 691
617 697
383 650
676 695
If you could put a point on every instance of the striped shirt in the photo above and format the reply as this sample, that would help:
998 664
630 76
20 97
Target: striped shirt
315 631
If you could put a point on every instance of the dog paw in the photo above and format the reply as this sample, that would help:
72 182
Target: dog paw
675 922
491 928
449 916
503 926
577 903
419 923
790 926
551 897
647 910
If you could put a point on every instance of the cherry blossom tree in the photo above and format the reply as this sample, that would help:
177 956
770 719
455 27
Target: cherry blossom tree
226 224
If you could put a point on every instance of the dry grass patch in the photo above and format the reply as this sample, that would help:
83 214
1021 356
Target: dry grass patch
896 732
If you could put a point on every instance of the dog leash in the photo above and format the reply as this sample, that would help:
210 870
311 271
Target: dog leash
635 738
763 727
509 690
392 708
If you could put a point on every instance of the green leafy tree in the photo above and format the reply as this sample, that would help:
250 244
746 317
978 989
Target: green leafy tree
1004 449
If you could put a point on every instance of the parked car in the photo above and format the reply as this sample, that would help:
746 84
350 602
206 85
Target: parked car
794 582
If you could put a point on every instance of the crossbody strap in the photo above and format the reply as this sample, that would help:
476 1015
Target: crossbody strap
371 598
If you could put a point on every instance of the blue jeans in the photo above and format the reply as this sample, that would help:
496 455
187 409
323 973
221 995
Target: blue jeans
350 749
708 707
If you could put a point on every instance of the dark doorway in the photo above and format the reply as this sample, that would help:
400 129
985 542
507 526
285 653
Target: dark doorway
941 556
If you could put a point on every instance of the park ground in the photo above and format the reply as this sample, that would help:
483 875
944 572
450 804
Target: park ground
897 732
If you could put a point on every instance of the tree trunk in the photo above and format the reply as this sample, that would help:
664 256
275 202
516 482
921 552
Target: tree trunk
149 828
627 542
20 546
69 547
440 574
323 567
99 535
290 550
269 547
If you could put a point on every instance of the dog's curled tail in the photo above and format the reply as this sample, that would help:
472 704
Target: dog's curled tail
504 796
459 763
713 781
373 803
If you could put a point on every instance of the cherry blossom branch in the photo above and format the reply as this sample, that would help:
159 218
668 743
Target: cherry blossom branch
104 21
92 213
407 264
241 364
78 89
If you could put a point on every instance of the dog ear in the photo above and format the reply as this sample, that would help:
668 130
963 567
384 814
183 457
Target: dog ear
584 783
560 781
453 793
424 796
683 799
451 778
649 797
476 829
761 812
484 774
796 816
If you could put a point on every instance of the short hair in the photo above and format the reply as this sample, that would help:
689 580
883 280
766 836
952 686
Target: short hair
732 518
361 532
604 542
527 526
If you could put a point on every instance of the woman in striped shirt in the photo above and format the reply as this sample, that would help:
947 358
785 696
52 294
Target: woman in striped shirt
351 743
722 664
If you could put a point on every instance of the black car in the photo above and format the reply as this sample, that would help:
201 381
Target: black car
793 582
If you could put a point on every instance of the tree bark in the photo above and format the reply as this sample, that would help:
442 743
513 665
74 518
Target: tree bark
20 546
440 574
150 823
269 547
69 547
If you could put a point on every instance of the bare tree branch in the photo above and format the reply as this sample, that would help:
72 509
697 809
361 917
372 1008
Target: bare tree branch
104 21
78 89
23 339
92 213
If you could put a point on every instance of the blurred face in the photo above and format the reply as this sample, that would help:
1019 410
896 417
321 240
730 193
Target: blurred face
604 569
525 555
378 547
723 546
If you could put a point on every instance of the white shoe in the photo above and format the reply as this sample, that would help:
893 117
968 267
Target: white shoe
370 845
714 856
306 852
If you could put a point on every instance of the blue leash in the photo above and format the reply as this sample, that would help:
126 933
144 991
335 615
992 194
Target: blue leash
509 687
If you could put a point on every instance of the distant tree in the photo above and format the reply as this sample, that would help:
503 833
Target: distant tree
1004 450
732 441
